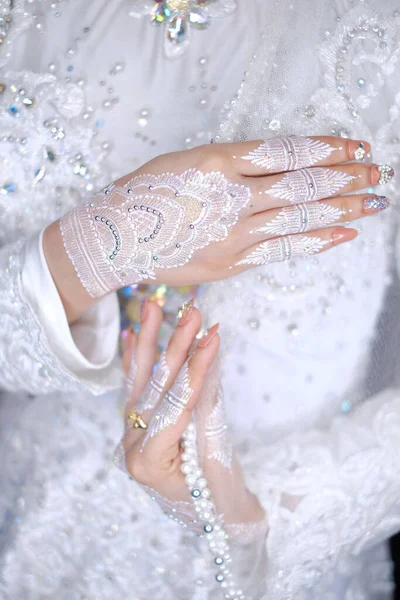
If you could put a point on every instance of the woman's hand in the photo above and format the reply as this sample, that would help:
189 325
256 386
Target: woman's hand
160 409
207 213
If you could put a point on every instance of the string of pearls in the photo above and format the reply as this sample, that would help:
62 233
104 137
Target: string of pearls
214 532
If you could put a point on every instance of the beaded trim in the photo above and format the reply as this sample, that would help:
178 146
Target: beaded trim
213 527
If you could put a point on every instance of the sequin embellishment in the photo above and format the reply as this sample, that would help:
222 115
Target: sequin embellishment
179 17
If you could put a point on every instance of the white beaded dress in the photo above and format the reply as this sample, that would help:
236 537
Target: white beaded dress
89 91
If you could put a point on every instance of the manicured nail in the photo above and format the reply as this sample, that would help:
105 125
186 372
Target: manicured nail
185 312
386 174
144 311
206 339
358 149
375 203
341 235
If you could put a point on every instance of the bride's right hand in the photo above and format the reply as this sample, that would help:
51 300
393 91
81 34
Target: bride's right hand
208 213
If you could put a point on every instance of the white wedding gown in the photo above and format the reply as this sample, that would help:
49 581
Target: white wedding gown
86 95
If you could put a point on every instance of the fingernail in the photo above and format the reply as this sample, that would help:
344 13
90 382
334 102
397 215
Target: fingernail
386 174
358 149
342 235
376 203
144 311
206 339
185 312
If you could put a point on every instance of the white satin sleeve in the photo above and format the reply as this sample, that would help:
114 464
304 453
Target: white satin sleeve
39 352
329 495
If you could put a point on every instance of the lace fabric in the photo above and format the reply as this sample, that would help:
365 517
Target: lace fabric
27 361
331 493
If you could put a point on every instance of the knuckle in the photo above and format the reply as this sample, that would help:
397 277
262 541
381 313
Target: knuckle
358 173
211 158
346 208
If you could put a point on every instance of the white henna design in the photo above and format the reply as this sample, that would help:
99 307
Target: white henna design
301 218
172 405
308 185
219 446
152 222
283 249
289 153
154 389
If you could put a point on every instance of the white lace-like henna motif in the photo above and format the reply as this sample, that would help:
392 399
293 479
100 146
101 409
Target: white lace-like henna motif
219 445
289 153
154 389
301 218
307 185
154 221
172 405
283 249
130 379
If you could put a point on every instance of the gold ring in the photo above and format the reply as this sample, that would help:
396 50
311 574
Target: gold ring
135 420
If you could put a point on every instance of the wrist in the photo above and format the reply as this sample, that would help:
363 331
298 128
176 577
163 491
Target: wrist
73 295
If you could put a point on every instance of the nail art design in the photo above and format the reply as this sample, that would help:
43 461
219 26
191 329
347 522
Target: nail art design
172 405
283 249
184 312
301 218
152 393
387 173
308 185
374 203
289 153
219 446
360 152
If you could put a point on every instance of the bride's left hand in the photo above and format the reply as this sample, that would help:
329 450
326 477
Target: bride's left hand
160 408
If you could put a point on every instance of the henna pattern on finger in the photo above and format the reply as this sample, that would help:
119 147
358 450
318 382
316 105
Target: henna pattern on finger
130 378
283 249
289 153
308 185
155 387
172 405
153 222
219 445
301 218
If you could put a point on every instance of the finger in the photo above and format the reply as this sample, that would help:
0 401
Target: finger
174 411
289 153
142 352
309 185
170 363
129 339
293 246
314 215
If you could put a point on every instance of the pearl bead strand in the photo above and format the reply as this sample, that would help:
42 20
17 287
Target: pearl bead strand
214 532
